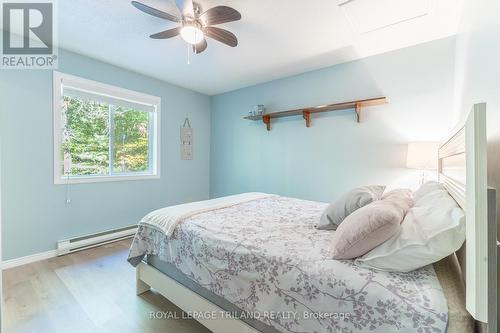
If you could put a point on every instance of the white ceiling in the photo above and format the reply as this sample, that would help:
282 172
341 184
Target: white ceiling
277 38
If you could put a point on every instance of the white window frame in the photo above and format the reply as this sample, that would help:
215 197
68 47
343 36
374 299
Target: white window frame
106 90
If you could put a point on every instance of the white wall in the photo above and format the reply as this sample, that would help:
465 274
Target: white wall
478 80
478 73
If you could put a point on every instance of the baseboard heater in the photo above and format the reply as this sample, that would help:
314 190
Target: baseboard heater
86 242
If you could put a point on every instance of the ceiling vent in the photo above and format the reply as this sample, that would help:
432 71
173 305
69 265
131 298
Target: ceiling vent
371 15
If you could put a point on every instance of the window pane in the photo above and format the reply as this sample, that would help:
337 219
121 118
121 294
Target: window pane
131 140
85 141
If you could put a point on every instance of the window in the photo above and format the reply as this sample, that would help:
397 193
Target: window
103 133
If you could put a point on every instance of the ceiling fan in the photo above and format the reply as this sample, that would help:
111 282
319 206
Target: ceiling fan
195 25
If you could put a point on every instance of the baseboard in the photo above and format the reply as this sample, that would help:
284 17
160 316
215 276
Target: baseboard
75 244
85 242
6 264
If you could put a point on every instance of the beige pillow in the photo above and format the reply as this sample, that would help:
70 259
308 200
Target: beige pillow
371 225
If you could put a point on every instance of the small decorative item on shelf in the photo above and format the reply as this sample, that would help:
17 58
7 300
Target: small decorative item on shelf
259 110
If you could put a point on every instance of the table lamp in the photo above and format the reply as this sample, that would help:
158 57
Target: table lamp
422 156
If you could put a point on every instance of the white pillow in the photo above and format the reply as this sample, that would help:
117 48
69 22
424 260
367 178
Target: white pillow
432 229
427 188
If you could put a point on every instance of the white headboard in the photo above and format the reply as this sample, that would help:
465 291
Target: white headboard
463 171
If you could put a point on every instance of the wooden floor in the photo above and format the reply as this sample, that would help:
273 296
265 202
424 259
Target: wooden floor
88 291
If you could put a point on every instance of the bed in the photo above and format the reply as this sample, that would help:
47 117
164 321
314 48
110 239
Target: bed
260 265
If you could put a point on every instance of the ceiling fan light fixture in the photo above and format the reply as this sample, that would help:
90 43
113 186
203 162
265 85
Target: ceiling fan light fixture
192 34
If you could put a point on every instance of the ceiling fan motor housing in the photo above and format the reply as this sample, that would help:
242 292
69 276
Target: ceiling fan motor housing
197 9
189 22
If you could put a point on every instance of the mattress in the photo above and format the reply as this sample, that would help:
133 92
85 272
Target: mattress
265 257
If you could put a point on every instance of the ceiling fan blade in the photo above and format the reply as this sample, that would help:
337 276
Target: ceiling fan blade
200 47
155 12
219 15
167 33
221 35
185 7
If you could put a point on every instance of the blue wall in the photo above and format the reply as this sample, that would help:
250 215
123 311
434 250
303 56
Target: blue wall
336 153
34 213
232 155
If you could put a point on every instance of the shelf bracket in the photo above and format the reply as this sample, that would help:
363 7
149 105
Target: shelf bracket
307 116
267 121
359 116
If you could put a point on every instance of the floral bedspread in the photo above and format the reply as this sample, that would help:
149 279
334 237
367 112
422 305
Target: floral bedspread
266 257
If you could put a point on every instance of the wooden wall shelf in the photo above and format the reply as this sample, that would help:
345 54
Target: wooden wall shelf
307 112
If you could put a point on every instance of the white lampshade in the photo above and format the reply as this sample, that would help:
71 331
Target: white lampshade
422 155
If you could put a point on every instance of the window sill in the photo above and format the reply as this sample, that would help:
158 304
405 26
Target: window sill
103 179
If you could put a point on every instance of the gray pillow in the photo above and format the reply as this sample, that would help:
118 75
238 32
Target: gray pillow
338 210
